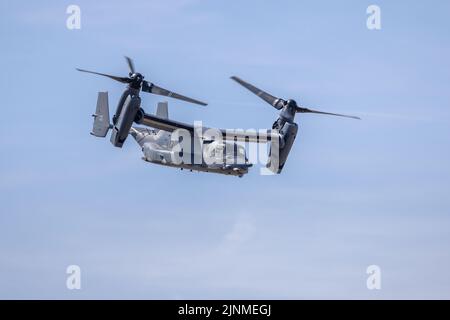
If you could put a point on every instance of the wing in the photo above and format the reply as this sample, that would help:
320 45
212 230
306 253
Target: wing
261 136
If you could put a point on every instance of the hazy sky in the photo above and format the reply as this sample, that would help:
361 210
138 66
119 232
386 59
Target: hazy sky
352 194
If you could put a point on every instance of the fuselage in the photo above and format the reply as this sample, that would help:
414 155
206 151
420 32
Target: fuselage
215 156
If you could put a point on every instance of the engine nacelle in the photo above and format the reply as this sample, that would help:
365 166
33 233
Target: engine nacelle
121 128
278 156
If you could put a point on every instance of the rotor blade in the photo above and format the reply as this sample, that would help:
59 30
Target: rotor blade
306 110
130 64
274 101
152 88
120 79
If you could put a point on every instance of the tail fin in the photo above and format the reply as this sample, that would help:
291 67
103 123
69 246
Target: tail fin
101 116
162 110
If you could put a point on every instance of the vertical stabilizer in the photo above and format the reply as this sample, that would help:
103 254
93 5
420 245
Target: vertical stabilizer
162 111
101 116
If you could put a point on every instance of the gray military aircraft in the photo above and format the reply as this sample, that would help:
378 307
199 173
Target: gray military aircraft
204 149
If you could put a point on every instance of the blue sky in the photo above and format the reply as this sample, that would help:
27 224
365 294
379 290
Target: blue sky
352 194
